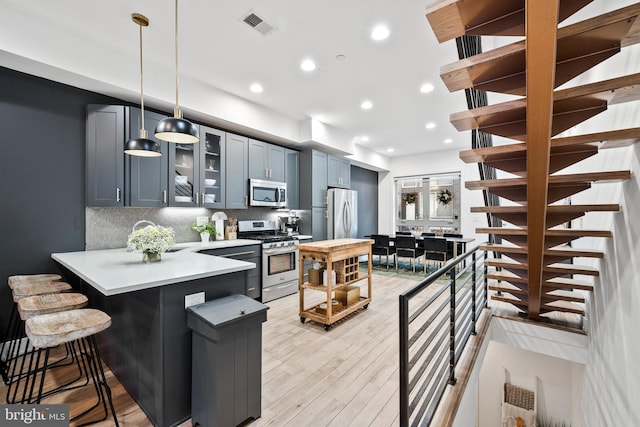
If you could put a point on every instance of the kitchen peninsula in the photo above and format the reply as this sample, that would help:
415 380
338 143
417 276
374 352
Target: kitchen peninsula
148 346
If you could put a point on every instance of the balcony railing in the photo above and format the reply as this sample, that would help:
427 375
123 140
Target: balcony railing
437 317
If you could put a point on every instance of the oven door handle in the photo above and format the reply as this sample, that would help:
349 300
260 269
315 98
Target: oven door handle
286 250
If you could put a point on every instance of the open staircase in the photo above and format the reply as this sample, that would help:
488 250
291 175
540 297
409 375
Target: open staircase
531 271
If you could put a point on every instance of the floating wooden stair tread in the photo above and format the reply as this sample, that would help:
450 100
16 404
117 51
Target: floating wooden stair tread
609 139
552 208
577 178
560 251
565 283
570 107
553 268
511 300
580 47
548 285
569 232
454 18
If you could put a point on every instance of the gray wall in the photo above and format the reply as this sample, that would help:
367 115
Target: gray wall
365 182
42 160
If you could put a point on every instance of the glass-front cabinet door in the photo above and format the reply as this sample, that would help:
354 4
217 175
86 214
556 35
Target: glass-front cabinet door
212 187
184 161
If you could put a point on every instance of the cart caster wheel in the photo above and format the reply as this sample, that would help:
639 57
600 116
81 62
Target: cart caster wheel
327 327
366 306
302 319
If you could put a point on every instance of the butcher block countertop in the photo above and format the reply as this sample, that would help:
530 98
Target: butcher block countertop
328 246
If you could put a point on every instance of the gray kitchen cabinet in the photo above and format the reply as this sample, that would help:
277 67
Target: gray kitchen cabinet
266 161
196 171
292 177
105 155
237 175
338 172
313 193
251 253
146 177
319 223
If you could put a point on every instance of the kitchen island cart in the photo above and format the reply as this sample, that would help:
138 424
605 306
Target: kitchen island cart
341 256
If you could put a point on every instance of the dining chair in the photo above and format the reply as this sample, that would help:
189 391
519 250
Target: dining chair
450 244
382 246
403 233
426 234
435 249
406 247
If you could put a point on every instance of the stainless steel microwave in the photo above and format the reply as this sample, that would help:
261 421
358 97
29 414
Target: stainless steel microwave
267 193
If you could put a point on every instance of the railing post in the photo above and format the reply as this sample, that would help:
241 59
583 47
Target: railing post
404 360
486 281
473 294
452 332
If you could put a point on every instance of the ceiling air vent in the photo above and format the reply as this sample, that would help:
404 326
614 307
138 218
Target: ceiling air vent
258 24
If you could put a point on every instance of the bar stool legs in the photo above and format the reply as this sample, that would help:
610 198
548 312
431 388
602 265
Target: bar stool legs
78 328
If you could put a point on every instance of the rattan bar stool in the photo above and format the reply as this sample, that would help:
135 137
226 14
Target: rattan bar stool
11 343
78 328
29 307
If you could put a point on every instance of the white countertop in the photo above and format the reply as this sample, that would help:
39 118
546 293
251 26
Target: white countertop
116 271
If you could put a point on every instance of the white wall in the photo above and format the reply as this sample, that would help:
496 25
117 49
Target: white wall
431 163
552 379
612 375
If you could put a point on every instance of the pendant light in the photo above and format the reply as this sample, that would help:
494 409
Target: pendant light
176 129
142 146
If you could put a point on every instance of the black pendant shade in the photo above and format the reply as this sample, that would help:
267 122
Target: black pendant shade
178 130
142 147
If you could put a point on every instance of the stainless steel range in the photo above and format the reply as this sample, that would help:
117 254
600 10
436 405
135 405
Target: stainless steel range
279 257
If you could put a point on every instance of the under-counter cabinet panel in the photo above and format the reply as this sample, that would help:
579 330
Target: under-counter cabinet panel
105 155
266 161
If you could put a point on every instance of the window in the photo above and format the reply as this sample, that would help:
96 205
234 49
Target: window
428 203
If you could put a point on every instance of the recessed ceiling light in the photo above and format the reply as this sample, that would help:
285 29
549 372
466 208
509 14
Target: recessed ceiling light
308 65
256 88
341 57
426 88
448 141
430 125
390 150
364 138
366 105
380 32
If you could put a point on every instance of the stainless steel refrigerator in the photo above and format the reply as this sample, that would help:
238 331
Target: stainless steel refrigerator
342 213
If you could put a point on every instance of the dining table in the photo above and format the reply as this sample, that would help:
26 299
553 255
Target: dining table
455 240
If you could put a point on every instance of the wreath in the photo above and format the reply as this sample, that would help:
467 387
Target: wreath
410 197
445 197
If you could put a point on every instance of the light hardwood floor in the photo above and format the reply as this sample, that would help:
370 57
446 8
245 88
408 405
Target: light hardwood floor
347 376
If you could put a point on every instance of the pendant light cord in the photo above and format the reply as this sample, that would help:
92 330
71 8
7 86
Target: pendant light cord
141 81
176 39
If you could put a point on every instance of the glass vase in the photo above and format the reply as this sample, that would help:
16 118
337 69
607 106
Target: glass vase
151 256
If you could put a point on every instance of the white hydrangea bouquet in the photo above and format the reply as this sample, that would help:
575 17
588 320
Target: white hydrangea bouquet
152 241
